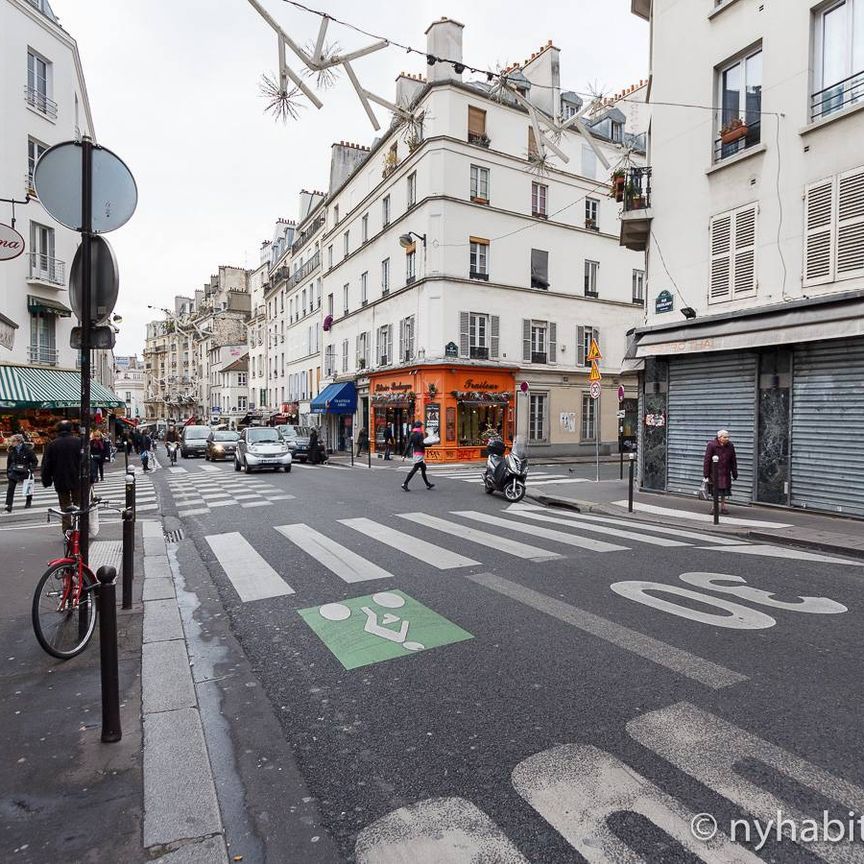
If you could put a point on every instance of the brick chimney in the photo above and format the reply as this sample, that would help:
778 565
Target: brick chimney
444 39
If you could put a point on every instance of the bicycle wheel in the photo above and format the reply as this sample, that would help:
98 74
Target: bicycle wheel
62 627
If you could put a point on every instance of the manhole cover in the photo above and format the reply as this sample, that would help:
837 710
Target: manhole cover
174 536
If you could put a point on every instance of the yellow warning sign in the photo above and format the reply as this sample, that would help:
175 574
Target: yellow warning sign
594 352
594 375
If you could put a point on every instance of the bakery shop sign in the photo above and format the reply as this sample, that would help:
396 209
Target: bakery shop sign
471 384
392 387
11 243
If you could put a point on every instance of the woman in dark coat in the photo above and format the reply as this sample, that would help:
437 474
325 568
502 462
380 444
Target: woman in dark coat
727 465
21 462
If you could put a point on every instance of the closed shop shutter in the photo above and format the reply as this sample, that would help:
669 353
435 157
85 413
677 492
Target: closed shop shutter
708 393
827 418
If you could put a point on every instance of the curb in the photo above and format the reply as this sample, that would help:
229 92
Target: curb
182 821
798 543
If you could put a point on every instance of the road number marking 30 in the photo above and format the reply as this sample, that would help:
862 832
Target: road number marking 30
731 615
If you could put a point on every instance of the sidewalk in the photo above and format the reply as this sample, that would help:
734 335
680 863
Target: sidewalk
798 528
65 796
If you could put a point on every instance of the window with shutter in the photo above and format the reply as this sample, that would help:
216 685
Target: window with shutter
402 339
464 334
526 340
721 258
540 269
389 343
553 342
533 150
476 123
744 265
819 232
850 224
494 335
581 353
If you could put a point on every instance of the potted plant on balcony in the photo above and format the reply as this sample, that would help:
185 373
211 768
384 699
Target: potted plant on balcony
633 197
617 185
733 131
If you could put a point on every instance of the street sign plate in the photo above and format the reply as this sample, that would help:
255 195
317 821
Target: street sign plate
11 243
594 390
594 352
58 181
622 415
594 374
105 280
620 392
102 338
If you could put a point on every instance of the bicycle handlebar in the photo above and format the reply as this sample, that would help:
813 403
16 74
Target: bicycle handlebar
78 511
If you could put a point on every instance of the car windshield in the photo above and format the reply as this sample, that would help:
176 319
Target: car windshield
262 436
225 436
196 432
294 431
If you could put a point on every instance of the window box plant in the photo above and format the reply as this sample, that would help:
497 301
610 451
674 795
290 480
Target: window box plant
733 131
617 185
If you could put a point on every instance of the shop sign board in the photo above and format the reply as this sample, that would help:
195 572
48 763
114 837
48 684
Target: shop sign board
7 332
361 631
11 243
433 419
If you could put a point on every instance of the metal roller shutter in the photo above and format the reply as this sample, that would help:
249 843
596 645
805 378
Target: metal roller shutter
827 418
708 393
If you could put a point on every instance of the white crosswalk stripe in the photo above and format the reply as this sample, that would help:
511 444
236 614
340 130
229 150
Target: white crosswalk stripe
195 493
252 577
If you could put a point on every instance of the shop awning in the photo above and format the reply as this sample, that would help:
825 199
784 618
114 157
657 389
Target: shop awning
24 387
46 306
339 398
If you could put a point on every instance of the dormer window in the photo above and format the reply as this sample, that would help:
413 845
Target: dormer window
617 132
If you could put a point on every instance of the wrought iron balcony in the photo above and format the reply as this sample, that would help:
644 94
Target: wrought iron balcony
737 140
538 357
837 97
478 352
636 215
637 189
44 268
43 355
40 101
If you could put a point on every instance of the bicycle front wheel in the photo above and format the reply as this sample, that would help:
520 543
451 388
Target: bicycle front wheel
63 627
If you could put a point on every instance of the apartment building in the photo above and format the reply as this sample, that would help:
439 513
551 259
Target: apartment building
129 385
256 337
43 101
465 273
753 209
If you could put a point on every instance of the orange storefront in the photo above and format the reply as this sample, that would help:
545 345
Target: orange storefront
464 405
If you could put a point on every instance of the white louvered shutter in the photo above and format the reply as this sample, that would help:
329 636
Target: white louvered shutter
850 224
494 335
744 264
402 323
390 343
464 334
580 345
721 258
357 350
553 341
819 207
526 340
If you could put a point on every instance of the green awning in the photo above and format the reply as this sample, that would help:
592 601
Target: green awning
26 387
46 306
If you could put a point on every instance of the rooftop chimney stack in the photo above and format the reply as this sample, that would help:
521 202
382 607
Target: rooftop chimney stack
444 40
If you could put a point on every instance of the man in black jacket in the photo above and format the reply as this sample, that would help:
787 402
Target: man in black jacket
417 449
61 466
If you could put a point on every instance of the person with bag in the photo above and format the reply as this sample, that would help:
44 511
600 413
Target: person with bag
727 467
145 450
98 454
417 450
21 462
61 467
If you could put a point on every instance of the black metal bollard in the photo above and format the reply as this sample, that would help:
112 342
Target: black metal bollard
128 556
130 501
111 731
630 483
369 453
714 461
351 450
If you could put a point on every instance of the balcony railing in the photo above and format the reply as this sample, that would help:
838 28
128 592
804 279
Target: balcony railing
304 271
44 268
478 352
637 189
43 355
478 274
538 356
297 245
38 100
837 97
750 134
481 139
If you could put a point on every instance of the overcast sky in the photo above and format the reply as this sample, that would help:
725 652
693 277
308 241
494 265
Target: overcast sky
173 87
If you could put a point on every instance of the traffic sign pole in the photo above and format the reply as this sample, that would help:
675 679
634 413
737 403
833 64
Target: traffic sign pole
86 325
598 418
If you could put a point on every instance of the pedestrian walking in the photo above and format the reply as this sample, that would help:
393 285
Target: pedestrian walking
727 466
362 442
417 450
99 452
21 462
388 441
145 449
313 447
61 467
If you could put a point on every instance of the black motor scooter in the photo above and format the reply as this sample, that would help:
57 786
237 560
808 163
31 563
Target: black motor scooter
507 474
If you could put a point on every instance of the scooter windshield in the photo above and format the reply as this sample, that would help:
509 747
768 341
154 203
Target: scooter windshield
520 447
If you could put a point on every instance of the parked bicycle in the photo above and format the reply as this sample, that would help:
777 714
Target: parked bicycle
64 603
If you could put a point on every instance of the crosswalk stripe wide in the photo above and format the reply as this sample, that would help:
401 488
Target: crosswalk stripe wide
252 577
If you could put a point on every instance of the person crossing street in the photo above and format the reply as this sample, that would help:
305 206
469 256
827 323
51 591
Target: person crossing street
417 450
61 468
21 462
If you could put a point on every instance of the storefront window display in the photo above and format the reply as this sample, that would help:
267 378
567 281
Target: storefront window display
479 422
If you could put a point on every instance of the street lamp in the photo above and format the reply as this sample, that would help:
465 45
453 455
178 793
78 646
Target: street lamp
405 239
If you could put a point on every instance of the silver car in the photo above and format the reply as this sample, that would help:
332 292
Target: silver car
261 447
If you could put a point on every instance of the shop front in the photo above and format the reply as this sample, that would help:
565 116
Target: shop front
464 405
337 404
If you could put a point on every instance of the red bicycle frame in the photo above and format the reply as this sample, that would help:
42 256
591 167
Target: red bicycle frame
73 557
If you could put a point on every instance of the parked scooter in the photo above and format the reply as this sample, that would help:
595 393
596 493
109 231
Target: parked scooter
172 447
509 473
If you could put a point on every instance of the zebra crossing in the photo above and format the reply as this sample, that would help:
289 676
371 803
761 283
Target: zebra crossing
421 540
199 493
474 475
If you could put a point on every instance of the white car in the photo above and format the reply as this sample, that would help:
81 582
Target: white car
261 447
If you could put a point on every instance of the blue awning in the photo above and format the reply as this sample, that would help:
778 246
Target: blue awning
336 399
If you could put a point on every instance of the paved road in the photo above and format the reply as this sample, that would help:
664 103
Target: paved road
463 680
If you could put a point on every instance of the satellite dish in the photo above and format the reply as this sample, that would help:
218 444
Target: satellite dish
58 181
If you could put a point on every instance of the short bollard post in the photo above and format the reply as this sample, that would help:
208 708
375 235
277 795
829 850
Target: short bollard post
130 501
351 450
128 556
107 577
714 461
369 453
630 482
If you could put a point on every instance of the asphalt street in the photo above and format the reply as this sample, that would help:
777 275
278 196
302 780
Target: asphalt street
458 679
